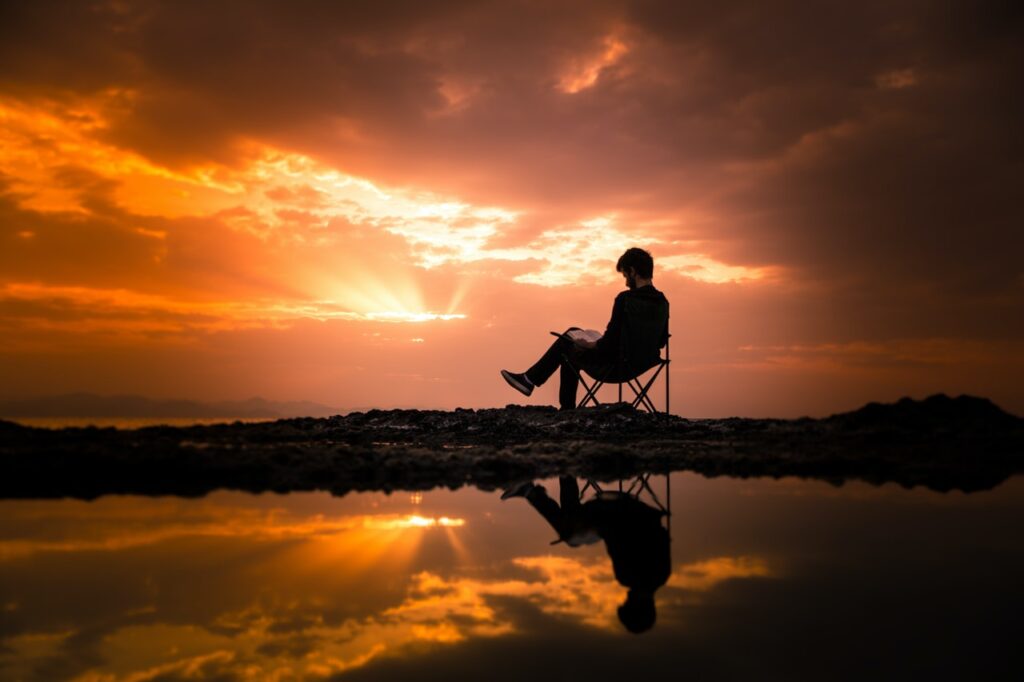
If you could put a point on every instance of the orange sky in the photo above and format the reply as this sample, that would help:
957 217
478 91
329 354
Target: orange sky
383 206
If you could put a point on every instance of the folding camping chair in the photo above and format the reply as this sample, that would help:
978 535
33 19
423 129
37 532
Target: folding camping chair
639 352
637 487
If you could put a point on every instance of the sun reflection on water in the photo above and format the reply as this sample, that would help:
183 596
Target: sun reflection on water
414 521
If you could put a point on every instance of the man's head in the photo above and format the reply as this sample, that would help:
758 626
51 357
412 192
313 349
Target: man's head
635 264
637 612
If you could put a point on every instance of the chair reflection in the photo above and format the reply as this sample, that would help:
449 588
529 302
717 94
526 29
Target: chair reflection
633 532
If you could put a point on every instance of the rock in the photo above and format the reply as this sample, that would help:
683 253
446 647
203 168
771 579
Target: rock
944 443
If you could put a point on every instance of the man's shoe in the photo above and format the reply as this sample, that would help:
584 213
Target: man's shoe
518 382
520 490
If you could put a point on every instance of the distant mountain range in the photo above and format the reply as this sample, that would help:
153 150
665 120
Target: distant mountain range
136 406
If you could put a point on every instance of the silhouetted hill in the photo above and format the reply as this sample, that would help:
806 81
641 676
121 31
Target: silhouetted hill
938 412
90 405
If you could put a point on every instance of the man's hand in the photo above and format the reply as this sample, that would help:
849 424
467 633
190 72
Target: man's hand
583 343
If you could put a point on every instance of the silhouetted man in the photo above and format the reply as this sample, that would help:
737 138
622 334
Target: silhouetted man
637 543
605 357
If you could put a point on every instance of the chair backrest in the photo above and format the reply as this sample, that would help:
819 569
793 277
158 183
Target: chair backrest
643 333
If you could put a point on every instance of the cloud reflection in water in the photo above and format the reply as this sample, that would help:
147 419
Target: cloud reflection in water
277 588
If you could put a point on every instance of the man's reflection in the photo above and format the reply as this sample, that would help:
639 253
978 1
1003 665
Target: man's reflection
637 542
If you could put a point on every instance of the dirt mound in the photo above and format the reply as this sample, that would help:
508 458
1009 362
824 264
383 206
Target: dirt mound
943 443
937 413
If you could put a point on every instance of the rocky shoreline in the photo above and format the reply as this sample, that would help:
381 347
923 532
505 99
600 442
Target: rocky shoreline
942 443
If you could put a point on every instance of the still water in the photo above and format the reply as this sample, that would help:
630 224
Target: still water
785 579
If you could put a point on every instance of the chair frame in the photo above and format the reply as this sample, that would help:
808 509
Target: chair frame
637 486
640 399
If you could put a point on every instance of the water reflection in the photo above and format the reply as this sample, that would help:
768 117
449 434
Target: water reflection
632 530
447 585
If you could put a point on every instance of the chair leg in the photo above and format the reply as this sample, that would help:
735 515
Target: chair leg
637 401
647 387
647 399
641 390
636 396
668 504
591 395
654 496
641 397
590 484
668 372
650 403
591 389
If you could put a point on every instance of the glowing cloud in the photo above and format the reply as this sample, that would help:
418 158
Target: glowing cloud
704 575
584 72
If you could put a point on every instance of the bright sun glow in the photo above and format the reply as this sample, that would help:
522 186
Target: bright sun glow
414 521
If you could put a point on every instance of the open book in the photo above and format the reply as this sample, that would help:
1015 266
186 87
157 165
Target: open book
591 335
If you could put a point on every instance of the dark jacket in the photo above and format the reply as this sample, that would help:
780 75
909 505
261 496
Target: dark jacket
609 347
637 542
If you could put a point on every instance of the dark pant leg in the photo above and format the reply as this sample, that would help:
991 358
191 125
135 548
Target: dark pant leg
582 359
550 361
569 381
548 508
569 494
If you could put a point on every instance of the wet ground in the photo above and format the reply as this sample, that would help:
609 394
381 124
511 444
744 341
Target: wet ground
769 579
941 443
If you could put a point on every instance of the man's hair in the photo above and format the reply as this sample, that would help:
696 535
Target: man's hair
637 613
639 260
